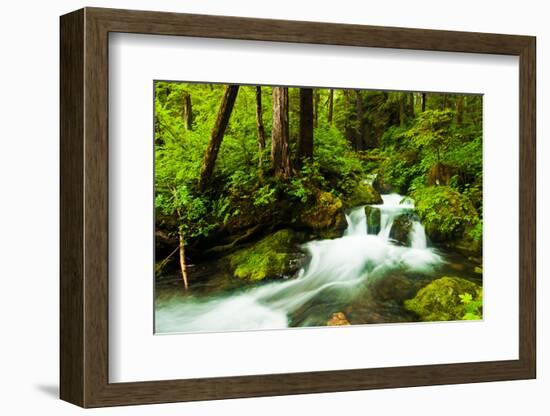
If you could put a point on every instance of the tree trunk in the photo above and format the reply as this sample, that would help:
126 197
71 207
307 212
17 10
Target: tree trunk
349 128
260 124
305 140
183 266
222 120
423 101
330 106
444 101
359 138
316 98
401 109
280 154
411 104
187 112
459 109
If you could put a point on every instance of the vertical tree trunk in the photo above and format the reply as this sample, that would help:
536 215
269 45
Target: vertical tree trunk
459 108
424 101
183 266
222 120
187 112
401 109
411 104
444 101
280 154
330 106
359 138
305 139
316 98
349 128
260 124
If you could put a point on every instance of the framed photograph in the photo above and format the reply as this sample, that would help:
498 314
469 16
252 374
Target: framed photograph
256 207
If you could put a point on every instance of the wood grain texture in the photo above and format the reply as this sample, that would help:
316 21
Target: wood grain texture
84 207
71 213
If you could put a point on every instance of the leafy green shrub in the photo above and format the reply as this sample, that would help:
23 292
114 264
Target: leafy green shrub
473 307
445 212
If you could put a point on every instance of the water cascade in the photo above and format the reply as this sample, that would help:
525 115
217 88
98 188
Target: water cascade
336 270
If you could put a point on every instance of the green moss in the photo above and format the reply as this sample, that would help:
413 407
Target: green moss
441 299
374 217
325 217
401 228
445 213
268 258
363 194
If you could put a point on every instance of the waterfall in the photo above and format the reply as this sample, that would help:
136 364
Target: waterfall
337 268
357 222
418 236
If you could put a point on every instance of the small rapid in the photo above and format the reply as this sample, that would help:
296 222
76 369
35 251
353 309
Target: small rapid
337 270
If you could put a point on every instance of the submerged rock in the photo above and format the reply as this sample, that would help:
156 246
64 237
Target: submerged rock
393 286
275 256
440 300
338 319
325 217
363 194
373 219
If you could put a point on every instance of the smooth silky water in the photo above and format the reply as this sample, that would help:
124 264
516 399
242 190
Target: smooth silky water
367 276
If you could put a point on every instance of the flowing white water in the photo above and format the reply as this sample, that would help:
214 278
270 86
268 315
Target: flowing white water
357 222
336 269
418 236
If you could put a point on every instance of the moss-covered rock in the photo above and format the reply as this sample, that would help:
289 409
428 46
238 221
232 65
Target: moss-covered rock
363 194
373 219
325 217
446 214
440 300
272 257
401 228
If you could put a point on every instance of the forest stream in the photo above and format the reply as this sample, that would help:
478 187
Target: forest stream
362 277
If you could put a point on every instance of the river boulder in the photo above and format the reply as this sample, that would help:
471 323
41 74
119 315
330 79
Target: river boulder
441 299
363 194
373 219
401 228
276 256
325 217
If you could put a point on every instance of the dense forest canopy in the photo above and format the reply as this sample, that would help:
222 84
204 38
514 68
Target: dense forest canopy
234 163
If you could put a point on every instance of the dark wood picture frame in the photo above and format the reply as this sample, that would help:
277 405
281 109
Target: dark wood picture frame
84 207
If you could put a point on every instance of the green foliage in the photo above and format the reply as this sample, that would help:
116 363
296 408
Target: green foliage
473 308
401 144
476 232
336 162
444 212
